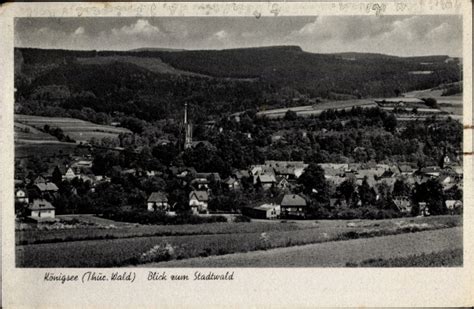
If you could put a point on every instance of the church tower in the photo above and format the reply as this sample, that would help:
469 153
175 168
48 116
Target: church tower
188 134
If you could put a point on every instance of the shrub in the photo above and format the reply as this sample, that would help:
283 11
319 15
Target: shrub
241 218
163 252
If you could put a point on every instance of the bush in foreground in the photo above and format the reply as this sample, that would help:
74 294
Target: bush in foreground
447 258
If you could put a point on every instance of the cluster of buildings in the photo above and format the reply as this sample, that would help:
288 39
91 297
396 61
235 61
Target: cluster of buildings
37 193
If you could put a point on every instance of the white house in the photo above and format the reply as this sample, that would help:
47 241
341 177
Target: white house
20 196
453 205
41 209
69 175
158 201
198 201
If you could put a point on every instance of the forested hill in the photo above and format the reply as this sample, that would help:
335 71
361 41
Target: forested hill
227 80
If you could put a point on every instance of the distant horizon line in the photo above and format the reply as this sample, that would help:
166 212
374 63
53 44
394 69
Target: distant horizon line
170 49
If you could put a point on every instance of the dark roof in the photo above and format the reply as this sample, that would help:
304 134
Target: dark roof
230 180
405 168
49 186
158 197
41 205
266 178
293 200
200 195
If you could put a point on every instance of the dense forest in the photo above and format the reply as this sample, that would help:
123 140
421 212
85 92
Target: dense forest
276 76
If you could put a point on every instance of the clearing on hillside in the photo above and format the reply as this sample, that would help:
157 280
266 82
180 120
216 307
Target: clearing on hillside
78 130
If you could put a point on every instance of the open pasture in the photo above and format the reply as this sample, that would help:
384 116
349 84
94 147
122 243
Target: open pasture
79 130
421 249
44 149
27 133
233 238
317 109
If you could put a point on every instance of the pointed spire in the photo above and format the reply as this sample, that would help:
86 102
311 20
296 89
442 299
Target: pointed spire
185 113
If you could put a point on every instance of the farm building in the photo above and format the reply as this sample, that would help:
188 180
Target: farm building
293 205
198 201
158 201
265 211
41 209
21 196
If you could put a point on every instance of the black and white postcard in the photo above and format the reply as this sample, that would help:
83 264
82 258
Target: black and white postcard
242 148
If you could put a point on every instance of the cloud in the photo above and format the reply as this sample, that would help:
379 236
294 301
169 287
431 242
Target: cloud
141 27
397 35
406 36
221 35
79 31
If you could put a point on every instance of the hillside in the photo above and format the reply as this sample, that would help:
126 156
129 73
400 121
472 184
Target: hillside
153 84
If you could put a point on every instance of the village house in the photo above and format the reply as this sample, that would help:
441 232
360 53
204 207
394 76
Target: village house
200 184
453 206
211 177
405 170
70 174
260 169
46 189
39 179
289 169
265 181
293 206
240 174
403 204
282 183
432 171
198 201
158 201
42 209
265 211
232 183
21 196
424 210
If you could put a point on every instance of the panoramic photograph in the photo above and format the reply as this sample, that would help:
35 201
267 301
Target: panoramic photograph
303 141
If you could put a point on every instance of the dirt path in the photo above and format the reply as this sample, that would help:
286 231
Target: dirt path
333 254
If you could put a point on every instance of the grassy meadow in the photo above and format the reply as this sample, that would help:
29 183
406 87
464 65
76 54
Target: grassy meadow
132 247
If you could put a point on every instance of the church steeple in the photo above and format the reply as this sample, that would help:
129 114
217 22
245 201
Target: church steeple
188 134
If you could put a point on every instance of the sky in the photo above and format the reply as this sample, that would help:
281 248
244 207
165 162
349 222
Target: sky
393 35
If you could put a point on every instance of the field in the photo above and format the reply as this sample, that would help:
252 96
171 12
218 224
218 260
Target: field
451 104
404 250
206 240
444 258
26 133
153 64
43 149
76 129
317 109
